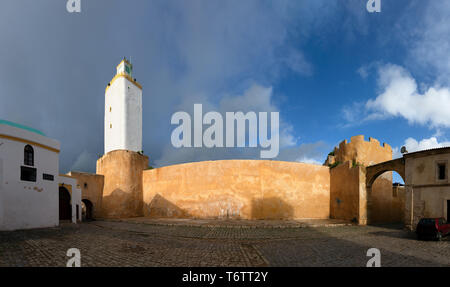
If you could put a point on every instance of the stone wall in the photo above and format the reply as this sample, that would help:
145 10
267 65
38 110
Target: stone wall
387 204
122 192
426 194
348 190
91 186
363 152
246 189
346 187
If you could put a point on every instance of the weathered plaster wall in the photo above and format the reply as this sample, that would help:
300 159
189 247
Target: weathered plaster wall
386 206
91 186
345 191
247 189
122 192
426 195
363 152
381 205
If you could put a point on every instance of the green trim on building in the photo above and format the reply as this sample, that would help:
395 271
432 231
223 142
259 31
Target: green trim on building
8 123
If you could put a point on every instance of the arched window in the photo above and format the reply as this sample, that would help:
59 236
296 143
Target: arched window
28 155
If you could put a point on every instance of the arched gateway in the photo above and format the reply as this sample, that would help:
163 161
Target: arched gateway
373 171
379 209
87 210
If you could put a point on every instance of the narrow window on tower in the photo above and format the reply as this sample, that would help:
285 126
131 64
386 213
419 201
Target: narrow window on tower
110 109
110 126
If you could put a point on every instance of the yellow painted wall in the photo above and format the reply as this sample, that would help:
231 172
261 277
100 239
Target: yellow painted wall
344 191
91 186
122 192
247 189
425 193
348 191
364 152
385 207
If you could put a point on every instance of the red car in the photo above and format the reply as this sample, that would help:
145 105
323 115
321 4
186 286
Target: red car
432 228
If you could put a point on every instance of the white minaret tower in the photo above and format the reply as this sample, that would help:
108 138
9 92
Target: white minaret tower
123 111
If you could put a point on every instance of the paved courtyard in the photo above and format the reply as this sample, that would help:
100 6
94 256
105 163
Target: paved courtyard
134 243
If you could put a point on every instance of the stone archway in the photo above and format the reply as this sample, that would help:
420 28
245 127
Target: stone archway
374 171
87 210
384 205
65 206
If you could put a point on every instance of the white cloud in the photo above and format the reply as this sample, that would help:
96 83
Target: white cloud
352 113
429 43
296 61
363 72
412 145
400 97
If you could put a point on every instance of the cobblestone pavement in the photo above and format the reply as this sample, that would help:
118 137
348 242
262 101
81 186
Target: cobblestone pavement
238 223
109 243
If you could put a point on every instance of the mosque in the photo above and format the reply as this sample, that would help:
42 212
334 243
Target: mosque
355 182
32 193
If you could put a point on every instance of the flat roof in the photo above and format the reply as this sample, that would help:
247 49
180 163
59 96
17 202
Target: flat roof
426 152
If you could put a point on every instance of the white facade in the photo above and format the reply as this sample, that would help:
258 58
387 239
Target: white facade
123 111
23 203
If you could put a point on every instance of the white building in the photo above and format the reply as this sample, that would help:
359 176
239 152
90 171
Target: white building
123 111
29 179
70 206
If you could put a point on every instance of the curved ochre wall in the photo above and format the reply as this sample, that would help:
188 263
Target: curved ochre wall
247 189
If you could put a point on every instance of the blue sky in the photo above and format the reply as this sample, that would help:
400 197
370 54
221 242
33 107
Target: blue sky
329 67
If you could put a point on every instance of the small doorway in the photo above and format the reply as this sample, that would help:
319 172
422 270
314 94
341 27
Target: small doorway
65 207
87 210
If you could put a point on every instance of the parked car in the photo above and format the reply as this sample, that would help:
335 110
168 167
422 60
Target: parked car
432 228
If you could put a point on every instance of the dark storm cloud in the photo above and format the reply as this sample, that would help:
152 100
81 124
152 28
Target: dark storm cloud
55 65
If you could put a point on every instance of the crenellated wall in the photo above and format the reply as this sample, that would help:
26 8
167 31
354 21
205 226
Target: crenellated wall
380 203
348 193
362 151
247 189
